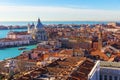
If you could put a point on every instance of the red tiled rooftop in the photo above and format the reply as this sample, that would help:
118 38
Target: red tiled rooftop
83 70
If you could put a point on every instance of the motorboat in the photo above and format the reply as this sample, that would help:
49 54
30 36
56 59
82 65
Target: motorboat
22 48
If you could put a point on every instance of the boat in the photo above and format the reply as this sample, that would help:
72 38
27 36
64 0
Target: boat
22 48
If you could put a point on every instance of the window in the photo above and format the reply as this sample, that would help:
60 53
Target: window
105 77
100 77
110 77
115 78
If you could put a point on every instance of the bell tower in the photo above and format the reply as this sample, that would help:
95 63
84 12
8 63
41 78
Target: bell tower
100 39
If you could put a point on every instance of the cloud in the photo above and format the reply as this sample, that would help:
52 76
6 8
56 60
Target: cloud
27 13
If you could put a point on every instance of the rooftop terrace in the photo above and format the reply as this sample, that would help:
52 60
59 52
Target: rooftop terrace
109 64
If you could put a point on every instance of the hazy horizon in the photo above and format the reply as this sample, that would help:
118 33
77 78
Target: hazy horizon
62 10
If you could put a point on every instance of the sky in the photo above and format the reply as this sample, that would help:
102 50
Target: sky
60 10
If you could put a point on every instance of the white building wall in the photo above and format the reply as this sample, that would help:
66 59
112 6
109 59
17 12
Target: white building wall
24 37
27 36
94 74
109 71
11 36
111 30
13 43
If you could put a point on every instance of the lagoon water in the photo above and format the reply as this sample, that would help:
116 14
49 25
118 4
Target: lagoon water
12 52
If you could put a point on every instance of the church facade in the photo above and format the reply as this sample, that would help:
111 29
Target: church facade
38 32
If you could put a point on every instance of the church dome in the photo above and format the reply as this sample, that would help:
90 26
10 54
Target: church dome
39 24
